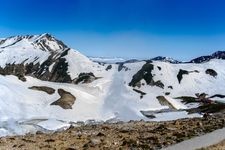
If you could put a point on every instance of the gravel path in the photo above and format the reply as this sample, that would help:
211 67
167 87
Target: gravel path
201 141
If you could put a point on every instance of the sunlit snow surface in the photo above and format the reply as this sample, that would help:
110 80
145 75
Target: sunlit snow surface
105 98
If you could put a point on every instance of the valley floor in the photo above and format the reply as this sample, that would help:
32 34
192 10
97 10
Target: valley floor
133 134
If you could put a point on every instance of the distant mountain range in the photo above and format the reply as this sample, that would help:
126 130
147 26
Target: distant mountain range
201 59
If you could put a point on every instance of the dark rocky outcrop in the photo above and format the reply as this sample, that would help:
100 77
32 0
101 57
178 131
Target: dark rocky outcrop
140 92
181 73
66 99
85 78
187 99
211 72
170 87
146 74
46 89
122 67
208 108
159 84
184 72
59 72
159 68
108 67
167 93
217 95
17 70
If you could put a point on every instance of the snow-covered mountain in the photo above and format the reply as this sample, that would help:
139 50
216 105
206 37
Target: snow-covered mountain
216 55
46 84
165 59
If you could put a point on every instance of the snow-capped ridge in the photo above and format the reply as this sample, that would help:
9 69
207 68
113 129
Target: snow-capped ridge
165 59
42 56
215 55
45 42
49 43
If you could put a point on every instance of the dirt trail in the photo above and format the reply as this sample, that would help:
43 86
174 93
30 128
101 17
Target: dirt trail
201 141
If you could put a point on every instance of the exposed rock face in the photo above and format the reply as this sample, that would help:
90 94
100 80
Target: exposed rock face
121 67
184 72
159 84
57 74
170 87
211 72
85 78
17 70
46 89
59 66
140 92
108 67
187 99
180 74
218 95
208 108
66 100
146 74
159 68
167 93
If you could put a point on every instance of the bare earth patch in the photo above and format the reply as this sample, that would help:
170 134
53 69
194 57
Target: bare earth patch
66 100
46 89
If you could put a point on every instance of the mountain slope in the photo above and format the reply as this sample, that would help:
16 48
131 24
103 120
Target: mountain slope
43 57
100 91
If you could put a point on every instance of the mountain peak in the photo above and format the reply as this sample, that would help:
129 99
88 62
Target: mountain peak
45 42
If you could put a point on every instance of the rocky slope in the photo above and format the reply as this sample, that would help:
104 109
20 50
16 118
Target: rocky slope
131 135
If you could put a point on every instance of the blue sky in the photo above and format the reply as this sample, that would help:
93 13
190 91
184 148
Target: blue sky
181 29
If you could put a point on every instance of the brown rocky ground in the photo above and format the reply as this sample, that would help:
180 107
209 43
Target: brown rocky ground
131 135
